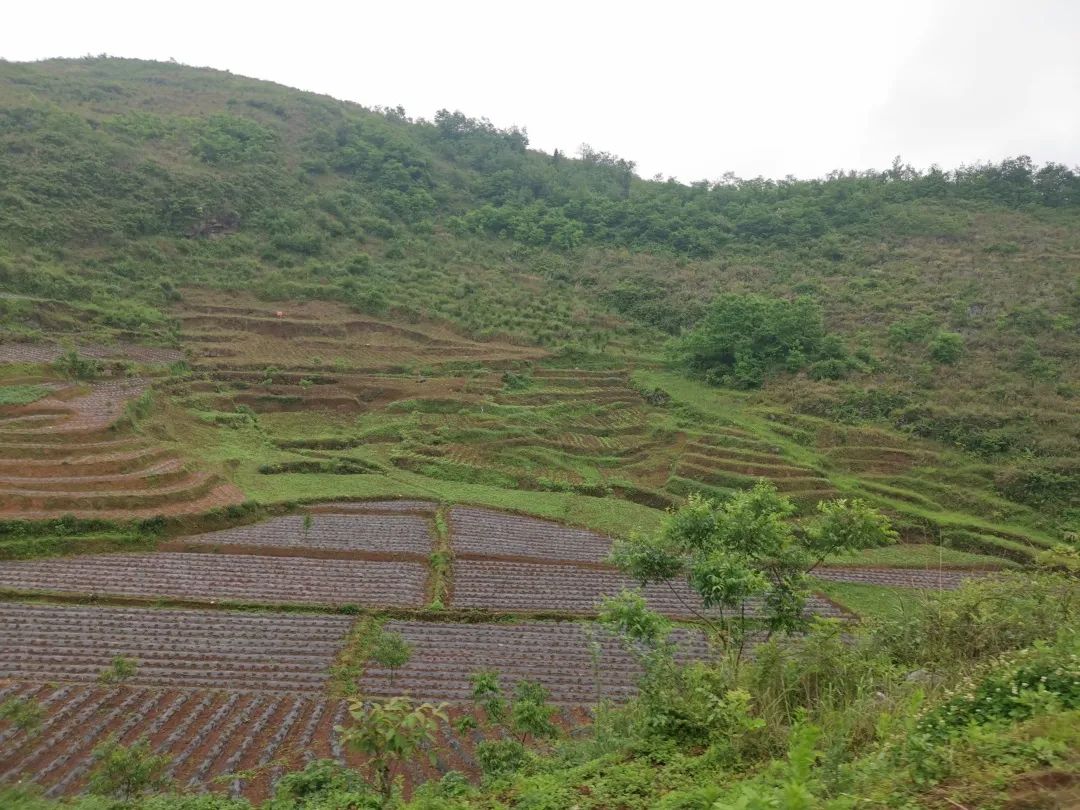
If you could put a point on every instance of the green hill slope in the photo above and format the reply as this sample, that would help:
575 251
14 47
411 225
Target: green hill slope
132 191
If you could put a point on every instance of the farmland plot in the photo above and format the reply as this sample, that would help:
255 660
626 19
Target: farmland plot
223 577
205 733
189 648
371 533
525 587
403 506
232 742
490 533
900 577
576 662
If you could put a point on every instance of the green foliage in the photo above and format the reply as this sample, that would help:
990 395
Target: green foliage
743 338
126 772
24 714
748 547
21 394
118 671
530 714
391 650
76 367
487 693
323 784
628 615
1045 677
391 732
947 347
982 619
500 758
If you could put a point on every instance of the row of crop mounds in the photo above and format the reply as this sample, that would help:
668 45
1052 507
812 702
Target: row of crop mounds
929 579
223 692
399 535
317 336
66 454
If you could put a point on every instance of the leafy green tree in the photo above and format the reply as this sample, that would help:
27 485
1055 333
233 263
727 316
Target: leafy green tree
487 693
392 651
126 772
391 732
746 547
530 713
76 367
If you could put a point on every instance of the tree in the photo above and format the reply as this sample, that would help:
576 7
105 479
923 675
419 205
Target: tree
746 547
391 732
125 772
531 713
391 650
487 693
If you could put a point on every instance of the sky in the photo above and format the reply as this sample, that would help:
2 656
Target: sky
686 89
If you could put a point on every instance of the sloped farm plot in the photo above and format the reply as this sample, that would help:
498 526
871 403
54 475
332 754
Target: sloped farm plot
223 577
488 533
536 587
189 648
235 742
900 577
323 533
206 733
576 662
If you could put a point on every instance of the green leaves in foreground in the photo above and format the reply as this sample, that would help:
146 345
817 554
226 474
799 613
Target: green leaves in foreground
748 547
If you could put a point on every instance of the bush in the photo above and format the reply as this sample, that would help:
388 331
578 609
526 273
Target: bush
981 619
947 347
742 338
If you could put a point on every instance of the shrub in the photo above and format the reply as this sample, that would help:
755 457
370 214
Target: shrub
947 347
742 338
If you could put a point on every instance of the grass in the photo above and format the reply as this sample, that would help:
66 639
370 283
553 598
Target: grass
22 394
920 555
869 601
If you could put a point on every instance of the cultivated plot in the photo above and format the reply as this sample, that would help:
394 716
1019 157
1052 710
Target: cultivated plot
577 662
371 533
486 532
224 577
267 651
525 587
943 579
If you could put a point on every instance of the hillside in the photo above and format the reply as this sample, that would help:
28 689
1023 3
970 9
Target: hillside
275 366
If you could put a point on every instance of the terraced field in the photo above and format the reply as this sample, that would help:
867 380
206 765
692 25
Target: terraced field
277 652
488 533
314 336
68 454
303 406
236 698
223 577
578 663
397 536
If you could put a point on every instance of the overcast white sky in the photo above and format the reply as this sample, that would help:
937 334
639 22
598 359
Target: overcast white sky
687 89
